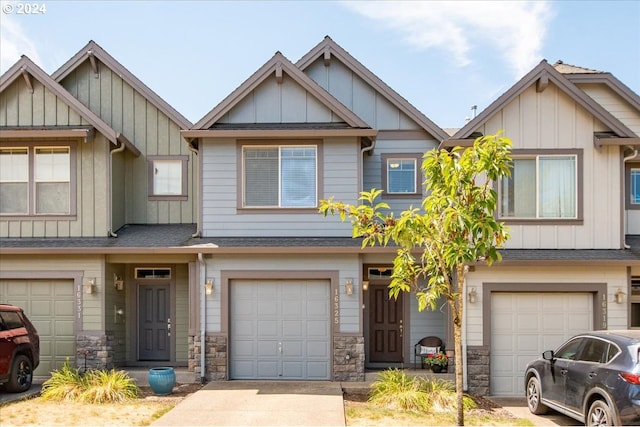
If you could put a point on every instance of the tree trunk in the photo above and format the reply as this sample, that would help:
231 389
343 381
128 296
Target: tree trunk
457 340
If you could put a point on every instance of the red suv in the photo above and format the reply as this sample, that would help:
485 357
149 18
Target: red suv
19 349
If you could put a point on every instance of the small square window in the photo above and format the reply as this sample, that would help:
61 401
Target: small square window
401 174
168 177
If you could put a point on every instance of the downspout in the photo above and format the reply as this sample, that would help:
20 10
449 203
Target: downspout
110 210
362 151
634 153
197 196
203 316
463 333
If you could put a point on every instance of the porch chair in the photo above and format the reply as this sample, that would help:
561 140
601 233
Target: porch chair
426 346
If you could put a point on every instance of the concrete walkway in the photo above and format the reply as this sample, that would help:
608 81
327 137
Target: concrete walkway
260 403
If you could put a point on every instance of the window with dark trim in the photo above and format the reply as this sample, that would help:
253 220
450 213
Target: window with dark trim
401 174
280 176
168 177
37 179
542 186
632 179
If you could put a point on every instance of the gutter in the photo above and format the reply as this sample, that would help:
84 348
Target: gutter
203 316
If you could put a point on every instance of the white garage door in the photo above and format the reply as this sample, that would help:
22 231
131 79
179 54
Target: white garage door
279 330
523 325
49 306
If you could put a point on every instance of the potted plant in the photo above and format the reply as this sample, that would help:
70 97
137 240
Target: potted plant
437 361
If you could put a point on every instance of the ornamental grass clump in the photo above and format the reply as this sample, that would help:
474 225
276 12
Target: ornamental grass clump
95 386
397 391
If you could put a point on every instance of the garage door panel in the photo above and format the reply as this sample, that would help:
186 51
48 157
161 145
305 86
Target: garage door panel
49 304
523 325
295 316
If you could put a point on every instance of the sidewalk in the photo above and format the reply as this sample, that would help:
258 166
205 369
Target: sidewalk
260 403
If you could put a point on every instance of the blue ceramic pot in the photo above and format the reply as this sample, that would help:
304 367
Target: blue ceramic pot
162 380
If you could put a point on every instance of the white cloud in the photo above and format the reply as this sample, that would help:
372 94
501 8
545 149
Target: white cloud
14 43
516 29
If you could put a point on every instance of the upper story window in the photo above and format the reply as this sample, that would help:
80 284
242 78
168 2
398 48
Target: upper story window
36 180
634 188
400 174
168 177
542 186
282 176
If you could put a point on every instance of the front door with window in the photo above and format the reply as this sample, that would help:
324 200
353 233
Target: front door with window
385 326
154 322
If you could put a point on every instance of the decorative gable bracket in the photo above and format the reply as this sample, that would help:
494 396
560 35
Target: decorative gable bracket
542 82
94 63
27 78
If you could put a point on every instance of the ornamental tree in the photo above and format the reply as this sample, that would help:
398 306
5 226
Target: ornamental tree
454 228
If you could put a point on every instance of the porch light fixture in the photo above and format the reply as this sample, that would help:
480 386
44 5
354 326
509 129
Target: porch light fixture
118 283
619 296
87 286
365 285
348 287
472 296
208 287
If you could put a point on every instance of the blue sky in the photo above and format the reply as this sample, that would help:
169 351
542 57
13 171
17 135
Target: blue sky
443 57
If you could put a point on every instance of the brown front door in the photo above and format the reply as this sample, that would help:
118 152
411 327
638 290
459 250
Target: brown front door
385 326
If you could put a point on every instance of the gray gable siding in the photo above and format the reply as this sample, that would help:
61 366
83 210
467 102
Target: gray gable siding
127 111
359 96
285 102
221 193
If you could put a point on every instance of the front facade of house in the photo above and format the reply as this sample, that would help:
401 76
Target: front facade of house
166 238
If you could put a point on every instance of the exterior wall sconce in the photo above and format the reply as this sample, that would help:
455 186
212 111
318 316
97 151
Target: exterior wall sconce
208 287
365 285
118 283
619 296
472 296
88 285
348 287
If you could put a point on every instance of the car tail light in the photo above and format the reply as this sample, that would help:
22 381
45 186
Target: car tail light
630 378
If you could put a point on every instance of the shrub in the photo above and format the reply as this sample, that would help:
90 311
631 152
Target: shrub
395 390
65 383
95 386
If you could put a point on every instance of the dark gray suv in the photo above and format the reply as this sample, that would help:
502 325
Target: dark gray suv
592 377
19 349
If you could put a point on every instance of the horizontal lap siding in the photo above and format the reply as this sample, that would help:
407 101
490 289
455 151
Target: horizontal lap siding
220 195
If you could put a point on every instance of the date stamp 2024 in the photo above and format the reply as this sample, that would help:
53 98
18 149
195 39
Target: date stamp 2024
23 8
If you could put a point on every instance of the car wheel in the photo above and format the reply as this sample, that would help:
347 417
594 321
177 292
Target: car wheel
533 397
599 414
21 374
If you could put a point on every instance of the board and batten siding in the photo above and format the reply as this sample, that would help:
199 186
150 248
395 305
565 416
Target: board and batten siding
285 102
20 107
357 95
552 120
153 133
338 177
347 266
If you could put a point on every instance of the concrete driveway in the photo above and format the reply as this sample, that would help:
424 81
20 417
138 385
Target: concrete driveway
518 407
260 403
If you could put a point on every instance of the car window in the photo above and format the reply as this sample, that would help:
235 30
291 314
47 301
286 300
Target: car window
594 350
611 353
11 320
569 350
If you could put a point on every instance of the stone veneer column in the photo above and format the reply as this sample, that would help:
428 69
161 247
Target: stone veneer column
94 352
478 370
215 357
348 358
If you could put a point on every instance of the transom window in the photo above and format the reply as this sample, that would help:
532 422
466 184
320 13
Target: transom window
35 180
280 176
541 187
